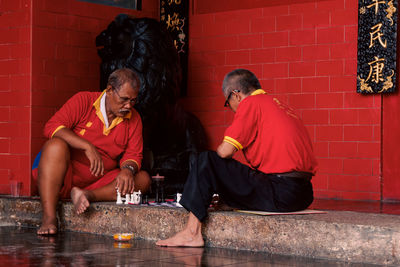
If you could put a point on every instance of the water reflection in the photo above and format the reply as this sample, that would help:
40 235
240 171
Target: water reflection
185 256
22 247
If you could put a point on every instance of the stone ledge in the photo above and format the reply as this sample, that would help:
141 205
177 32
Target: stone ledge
339 235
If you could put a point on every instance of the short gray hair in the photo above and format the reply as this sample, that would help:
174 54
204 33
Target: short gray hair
121 76
240 79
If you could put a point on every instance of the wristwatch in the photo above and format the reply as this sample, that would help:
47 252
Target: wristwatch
131 168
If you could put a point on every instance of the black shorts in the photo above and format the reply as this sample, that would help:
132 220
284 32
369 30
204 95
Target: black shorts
241 187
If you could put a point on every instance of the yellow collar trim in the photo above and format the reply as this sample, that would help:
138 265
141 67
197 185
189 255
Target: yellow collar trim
115 121
258 92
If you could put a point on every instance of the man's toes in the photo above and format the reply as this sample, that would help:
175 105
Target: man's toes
42 231
47 231
78 208
81 208
161 243
52 231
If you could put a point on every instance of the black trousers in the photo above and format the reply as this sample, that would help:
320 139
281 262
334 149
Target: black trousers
241 187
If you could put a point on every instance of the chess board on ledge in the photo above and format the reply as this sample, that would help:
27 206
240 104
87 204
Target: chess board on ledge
171 203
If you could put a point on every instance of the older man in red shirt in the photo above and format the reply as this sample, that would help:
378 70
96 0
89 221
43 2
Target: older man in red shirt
275 144
95 146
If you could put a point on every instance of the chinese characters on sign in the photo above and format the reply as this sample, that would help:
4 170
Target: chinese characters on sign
377 43
174 14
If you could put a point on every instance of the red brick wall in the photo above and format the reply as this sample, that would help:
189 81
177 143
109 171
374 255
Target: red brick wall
47 53
306 55
15 97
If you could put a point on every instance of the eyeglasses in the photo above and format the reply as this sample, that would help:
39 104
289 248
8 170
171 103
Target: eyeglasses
125 100
229 96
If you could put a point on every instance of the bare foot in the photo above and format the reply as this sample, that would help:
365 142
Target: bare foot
48 227
184 238
80 200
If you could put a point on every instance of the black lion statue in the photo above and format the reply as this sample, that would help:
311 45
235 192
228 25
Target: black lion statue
172 136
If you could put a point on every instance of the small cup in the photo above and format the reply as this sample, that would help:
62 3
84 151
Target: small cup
15 188
123 237
159 183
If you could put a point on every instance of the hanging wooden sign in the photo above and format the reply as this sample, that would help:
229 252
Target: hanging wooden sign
175 15
377 45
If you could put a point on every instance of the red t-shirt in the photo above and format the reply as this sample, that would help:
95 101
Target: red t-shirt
273 138
81 114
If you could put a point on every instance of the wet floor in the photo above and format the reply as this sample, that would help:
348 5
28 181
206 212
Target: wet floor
22 247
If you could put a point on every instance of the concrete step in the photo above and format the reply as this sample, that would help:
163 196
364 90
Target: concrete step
339 235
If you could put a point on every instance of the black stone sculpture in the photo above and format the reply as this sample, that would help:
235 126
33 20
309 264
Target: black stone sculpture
172 136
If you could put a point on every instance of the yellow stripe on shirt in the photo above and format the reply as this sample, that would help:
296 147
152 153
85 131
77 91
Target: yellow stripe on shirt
56 130
233 142
258 92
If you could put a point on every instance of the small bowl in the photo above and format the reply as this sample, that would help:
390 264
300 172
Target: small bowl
123 237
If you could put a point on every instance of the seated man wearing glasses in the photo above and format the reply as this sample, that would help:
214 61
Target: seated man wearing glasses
95 146
275 144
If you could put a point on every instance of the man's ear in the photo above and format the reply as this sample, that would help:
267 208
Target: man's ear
108 89
238 96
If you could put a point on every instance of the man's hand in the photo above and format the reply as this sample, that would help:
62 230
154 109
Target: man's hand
125 182
75 141
96 162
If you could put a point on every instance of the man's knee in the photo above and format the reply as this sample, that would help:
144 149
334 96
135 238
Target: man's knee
56 146
142 181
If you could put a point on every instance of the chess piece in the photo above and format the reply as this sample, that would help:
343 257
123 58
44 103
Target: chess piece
139 197
214 200
178 198
119 199
136 198
127 199
132 198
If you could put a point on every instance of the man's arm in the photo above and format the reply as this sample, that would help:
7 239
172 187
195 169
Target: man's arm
226 150
72 139
132 157
65 119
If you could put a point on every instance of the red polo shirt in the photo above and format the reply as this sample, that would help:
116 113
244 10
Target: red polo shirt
82 115
121 141
273 138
